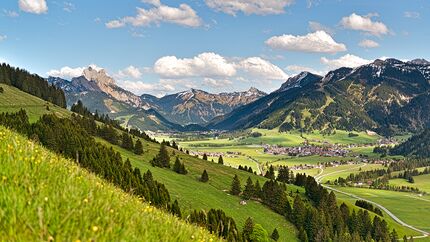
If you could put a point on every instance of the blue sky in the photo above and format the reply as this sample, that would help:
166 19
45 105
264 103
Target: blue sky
166 46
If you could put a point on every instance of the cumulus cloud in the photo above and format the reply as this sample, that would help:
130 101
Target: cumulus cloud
365 24
202 65
347 60
33 6
68 7
66 72
130 72
212 65
260 68
259 7
318 41
367 43
3 37
183 15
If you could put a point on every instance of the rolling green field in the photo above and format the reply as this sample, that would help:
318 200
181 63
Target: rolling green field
12 100
421 182
409 207
44 197
332 173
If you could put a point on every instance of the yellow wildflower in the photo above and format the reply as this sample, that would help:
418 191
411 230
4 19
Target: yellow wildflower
95 228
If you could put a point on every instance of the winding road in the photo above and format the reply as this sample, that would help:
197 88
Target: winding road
320 176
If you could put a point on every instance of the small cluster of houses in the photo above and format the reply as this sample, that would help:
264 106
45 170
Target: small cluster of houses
228 154
306 150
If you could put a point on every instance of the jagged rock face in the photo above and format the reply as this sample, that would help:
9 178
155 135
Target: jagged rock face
107 85
196 106
376 96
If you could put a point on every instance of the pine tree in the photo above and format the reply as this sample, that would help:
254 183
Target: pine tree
138 147
220 160
257 190
283 174
175 209
235 186
275 235
183 170
204 177
177 166
162 159
248 229
270 173
248 193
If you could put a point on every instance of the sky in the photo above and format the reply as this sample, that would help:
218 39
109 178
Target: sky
167 46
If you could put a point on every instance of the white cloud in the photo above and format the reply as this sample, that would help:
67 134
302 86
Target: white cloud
183 15
33 6
364 23
259 7
217 83
66 72
296 69
260 68
202 65
318 41
130 72
10 13
409 14
3 37
315 26
367 43
347 60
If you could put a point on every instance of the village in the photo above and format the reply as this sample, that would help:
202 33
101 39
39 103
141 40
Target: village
306 150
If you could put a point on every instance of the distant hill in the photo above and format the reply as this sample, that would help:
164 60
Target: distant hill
386 96
418 145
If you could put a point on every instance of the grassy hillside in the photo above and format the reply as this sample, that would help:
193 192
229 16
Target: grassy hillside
190 193
44 197
193 194
12 100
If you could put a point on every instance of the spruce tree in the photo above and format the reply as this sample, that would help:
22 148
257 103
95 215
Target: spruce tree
283 174
204 177
235 186
183 170
162 159
248 229
248 193
257 190
220 160
205 157
138 147
177 166
270 173
275 235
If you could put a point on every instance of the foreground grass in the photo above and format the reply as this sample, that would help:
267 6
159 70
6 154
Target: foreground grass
44 197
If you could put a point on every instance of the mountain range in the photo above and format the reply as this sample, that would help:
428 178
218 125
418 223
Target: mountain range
187 110
387 96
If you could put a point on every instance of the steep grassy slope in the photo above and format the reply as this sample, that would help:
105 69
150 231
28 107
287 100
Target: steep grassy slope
44 197
12 100
193 194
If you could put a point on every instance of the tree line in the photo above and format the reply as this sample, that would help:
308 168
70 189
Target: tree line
32 84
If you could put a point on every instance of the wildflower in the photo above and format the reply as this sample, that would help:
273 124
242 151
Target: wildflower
50 238
85 200
4 178
46 199
95 228
111 211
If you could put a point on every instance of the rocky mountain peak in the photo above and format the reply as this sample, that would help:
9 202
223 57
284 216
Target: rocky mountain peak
100 76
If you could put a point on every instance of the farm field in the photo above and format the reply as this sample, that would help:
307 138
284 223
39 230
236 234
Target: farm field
332 173
421 182
416 212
